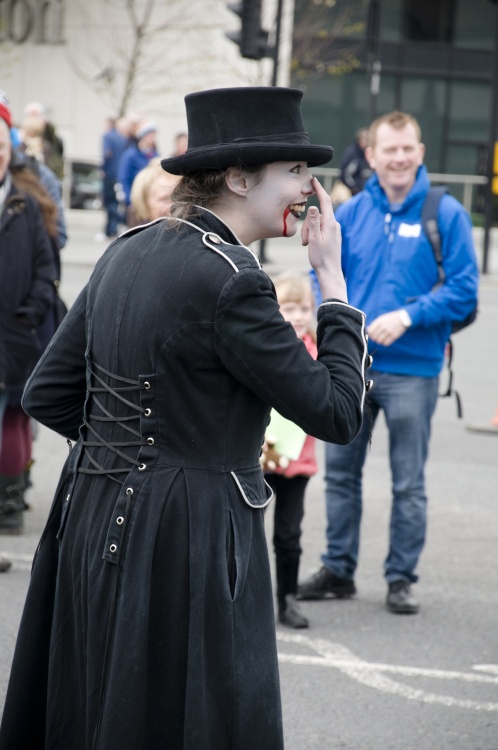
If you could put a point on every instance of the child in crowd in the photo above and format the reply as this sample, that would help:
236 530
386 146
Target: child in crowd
295 298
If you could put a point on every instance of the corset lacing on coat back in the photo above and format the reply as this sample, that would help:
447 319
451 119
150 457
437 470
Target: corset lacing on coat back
91 422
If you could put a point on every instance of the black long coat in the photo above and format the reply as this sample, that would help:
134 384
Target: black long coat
149 622
27 276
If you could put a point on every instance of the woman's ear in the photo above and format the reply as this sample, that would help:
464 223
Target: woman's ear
236 182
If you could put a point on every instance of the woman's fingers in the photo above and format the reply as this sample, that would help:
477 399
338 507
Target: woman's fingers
316 221
324 200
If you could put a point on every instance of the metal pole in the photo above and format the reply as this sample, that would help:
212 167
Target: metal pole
276 49
488 216
373 62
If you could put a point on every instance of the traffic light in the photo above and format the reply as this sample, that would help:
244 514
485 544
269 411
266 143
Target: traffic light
252 39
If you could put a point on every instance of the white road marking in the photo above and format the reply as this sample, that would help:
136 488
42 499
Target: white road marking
492 668
337 656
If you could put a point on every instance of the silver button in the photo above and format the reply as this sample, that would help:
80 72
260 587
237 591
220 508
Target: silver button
214 238
148 412
370 360
129 491
146 385
150 440
142 467
369 385
119 520
113 548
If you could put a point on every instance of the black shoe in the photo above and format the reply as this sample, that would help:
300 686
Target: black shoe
291 615
400 599
324 583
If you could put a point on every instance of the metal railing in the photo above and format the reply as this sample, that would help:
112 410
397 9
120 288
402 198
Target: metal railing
329 174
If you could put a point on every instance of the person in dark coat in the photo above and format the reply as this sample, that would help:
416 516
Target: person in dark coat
355 169
27 291
149 620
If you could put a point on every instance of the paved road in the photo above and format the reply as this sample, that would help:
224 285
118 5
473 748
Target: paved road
361 678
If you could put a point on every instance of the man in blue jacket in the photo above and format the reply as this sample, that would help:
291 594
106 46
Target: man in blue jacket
391 275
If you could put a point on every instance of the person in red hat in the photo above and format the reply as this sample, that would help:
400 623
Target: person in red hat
149 620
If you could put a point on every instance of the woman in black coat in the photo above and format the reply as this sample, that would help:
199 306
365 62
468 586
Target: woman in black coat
149 620
27 291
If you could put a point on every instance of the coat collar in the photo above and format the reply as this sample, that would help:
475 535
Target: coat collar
210 222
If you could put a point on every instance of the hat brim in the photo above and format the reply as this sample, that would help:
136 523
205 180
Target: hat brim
226 155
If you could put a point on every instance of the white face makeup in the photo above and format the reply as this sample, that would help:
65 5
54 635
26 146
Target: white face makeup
299 314
277 199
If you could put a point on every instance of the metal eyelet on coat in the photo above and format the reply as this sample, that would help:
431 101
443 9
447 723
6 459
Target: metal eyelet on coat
129 491
142 467
113 548
147 412
150 440
368 385
119 520
146 385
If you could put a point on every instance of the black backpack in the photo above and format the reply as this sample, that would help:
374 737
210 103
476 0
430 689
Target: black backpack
430 211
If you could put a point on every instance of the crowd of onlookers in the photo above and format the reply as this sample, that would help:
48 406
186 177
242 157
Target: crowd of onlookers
32 233
135 188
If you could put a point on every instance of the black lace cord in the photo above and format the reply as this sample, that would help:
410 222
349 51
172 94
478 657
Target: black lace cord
100 442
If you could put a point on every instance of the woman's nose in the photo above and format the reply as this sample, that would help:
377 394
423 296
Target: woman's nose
308 188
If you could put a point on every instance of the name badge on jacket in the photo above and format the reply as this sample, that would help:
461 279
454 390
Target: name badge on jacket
409 230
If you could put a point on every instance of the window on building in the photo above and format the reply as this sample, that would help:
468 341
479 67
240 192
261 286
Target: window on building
475 24
428 20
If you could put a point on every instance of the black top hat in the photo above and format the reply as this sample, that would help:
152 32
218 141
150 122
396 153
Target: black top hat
245 126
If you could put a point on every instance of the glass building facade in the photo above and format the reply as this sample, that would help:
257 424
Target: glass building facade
435 59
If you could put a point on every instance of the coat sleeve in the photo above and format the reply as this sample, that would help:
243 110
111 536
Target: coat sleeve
56 391
324 397
43 273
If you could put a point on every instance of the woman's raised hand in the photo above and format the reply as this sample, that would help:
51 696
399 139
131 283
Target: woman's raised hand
322 234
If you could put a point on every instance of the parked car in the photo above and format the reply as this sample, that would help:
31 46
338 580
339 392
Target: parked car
86 185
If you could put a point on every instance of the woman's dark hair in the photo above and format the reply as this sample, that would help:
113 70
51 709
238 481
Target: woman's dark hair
26 181
202 189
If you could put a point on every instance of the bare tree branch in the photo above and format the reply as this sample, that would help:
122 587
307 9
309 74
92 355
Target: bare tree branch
136 47
326 37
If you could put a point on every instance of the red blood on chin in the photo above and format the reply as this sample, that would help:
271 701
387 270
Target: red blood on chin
286 213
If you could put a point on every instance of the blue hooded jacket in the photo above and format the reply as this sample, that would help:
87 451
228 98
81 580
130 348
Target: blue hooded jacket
389 264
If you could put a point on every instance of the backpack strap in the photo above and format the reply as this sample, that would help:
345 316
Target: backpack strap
430 211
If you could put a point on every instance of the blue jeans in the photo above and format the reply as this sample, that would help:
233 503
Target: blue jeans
408 404
114 217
